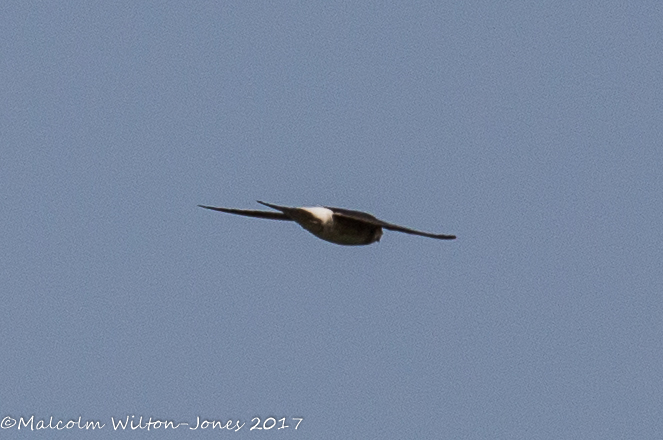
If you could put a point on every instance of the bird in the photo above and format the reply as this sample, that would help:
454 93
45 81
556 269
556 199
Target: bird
335 225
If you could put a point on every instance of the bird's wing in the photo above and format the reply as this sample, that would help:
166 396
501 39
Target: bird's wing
368 218
251 213
283 209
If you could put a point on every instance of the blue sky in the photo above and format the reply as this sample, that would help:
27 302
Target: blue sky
531 131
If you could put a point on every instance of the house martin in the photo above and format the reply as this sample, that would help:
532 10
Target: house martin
336 225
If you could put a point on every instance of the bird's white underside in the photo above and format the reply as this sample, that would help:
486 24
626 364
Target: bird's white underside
325 215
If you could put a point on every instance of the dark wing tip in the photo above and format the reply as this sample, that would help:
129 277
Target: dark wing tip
397 228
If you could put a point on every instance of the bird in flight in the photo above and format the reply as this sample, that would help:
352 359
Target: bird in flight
336 225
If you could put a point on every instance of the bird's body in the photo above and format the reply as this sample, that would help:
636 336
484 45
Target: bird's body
334 228
336 225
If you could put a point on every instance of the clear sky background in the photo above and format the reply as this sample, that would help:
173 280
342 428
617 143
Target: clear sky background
532 130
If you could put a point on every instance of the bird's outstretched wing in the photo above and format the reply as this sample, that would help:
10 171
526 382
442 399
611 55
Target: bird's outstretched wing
367 218
283 209
251 213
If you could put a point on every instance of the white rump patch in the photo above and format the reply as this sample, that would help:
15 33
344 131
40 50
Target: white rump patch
324 214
